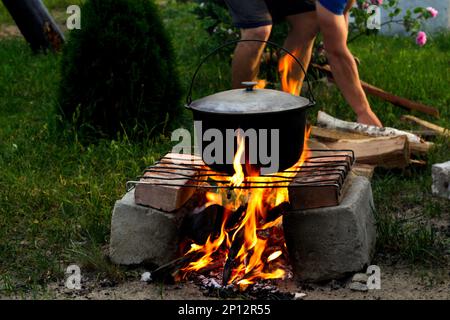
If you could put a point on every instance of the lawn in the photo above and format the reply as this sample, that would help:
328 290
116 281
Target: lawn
56 195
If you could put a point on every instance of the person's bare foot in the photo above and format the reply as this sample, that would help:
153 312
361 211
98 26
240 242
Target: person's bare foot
369 118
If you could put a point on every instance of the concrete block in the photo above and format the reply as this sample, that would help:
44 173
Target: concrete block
140 234
441 179
328 243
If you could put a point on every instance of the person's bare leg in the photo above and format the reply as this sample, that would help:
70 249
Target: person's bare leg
334 30
300 41
247 55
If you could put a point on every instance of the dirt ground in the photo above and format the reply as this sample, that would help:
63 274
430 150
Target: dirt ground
9 31
397 283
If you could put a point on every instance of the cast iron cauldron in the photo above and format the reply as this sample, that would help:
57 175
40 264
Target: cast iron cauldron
256 109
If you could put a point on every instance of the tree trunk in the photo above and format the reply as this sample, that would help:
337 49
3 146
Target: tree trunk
36 24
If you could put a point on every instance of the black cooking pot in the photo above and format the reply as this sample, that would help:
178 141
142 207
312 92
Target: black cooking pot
272 125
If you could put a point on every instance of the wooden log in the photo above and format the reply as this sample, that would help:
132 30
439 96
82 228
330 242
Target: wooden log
364 170
387 96
386 152
424 133
327 121
421 148
326 134
174 192
427 125
331 135
36 24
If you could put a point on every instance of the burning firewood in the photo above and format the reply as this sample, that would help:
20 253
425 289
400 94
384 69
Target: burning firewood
232 254
202 223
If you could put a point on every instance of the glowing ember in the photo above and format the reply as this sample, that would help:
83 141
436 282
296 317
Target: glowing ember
274 255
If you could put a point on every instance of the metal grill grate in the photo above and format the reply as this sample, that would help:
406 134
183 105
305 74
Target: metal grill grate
324 168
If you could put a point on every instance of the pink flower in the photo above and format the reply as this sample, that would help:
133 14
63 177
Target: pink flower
377 2
421 39
433 12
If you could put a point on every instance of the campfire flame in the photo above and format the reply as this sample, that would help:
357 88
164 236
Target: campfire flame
261 84
285 66
253 248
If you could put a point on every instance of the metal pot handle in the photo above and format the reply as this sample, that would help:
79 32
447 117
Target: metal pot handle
189 96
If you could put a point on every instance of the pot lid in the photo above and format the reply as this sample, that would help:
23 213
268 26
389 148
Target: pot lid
249 101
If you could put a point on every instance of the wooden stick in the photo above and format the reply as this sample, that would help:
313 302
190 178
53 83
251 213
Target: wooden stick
427 125
387 96
399 101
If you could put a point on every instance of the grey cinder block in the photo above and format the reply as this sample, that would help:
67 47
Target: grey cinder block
141 234
441 179
328 243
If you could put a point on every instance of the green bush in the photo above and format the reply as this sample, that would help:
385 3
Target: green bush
118 72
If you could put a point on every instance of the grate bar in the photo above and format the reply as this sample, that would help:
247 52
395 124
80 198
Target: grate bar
334 165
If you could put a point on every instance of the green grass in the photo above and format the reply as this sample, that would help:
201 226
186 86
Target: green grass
405 205
52 5
56 195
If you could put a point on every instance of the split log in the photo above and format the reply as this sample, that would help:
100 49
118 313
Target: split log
387 96
166 187
331 135
386 152
327 121
36 24
420 148
427 125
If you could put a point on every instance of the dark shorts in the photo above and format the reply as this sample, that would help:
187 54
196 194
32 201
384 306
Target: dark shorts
257 13
335 6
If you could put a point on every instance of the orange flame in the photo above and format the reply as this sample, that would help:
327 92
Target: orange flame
238 177
261 84
288 83
252 233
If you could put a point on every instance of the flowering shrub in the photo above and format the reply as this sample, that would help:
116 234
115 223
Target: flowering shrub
411 20
216 21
